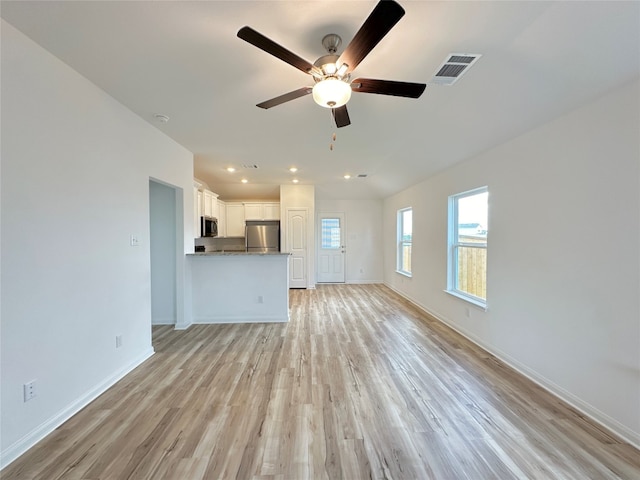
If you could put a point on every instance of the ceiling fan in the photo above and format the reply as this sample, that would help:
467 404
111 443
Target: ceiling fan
332 72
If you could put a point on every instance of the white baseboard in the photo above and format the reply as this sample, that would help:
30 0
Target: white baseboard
256 319
30 439
163 321
182 326
624 432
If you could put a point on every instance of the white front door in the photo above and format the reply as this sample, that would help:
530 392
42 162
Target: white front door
296 245
331 248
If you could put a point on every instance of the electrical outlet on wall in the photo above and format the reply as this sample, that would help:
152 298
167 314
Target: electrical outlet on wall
118 341
134 240
29 390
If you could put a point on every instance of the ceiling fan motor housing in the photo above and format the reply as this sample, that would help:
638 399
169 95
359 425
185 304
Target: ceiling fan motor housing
326 63
331 42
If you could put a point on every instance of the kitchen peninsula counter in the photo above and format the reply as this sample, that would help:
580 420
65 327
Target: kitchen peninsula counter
239 286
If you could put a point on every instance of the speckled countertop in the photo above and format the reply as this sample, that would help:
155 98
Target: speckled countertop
232 252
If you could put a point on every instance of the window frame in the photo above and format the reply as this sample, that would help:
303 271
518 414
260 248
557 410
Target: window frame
454 245
401 243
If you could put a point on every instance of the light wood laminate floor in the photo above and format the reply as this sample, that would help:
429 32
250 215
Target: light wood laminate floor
360 384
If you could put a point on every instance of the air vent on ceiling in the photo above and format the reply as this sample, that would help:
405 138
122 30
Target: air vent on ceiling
249 165
454 67
362 175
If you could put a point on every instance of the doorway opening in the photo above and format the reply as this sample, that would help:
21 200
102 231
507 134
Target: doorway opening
166 248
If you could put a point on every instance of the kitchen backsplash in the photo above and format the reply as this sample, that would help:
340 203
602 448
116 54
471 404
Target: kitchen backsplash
213 244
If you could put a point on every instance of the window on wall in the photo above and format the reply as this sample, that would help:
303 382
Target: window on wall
468 220
330 233
405 232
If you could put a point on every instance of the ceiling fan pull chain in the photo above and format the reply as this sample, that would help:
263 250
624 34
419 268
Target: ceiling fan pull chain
333 135
333 138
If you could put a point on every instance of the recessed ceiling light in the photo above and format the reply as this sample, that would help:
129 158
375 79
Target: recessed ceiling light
293 169
244 180
231 169
295 180
347 176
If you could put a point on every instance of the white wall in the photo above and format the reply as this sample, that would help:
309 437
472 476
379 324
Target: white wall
563 258
363 237
75 185
162 244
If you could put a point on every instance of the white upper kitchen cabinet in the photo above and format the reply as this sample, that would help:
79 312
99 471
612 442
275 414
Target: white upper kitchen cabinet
200 205
253 211
222 219
235 219
271 211
205 205
215 208
261 211
197 211
210 204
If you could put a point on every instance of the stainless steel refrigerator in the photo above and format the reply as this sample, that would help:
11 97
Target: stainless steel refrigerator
262 236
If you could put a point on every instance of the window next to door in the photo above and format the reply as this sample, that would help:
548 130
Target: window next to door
405 232
468 220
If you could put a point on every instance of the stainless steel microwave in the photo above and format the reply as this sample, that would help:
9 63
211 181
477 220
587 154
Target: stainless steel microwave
208 227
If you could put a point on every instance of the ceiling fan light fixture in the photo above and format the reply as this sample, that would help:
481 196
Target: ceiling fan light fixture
329 68
331 93
342 70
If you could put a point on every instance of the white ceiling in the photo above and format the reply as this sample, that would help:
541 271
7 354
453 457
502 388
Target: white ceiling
183 59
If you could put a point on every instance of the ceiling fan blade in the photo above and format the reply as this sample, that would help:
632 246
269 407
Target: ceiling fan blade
382 19
388 87
249 35
301 92
341 116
